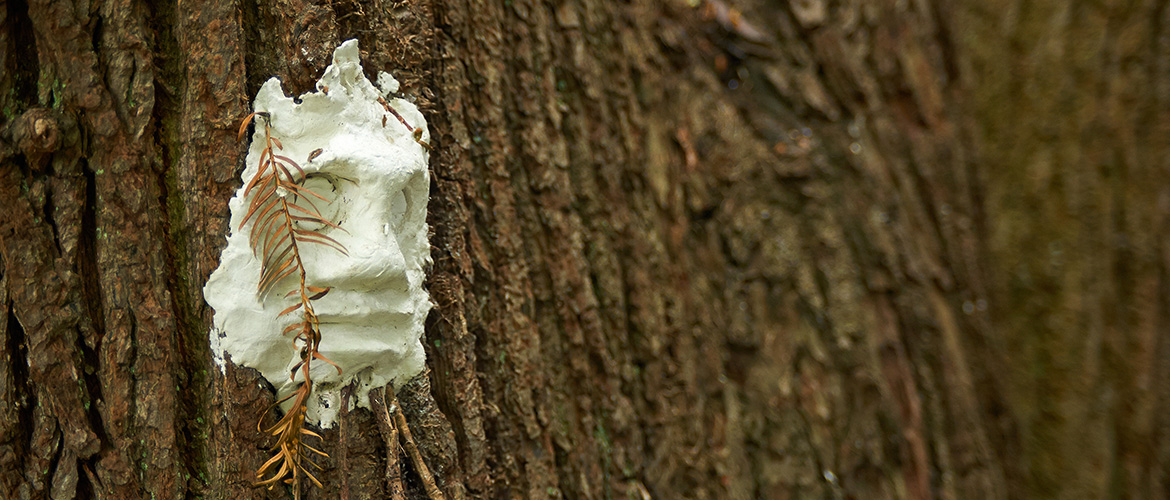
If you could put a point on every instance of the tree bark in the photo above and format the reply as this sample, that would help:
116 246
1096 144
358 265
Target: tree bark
681 249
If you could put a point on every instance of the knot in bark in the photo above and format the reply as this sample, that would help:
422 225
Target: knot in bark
37 133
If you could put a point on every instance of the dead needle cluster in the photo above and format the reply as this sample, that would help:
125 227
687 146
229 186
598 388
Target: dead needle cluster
279 208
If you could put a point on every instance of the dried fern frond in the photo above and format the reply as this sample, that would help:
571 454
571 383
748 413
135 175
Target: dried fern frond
278 203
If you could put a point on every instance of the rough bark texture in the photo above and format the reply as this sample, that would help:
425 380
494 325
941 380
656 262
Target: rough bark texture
807 249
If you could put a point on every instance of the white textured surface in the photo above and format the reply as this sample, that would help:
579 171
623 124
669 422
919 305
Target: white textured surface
372 320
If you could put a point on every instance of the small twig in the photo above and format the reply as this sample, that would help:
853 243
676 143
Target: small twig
416 133
342 449
424 473
394 489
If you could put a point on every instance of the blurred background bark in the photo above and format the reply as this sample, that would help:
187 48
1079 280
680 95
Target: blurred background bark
682 249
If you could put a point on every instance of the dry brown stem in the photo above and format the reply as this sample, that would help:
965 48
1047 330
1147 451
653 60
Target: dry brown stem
278 203
433 491
389 432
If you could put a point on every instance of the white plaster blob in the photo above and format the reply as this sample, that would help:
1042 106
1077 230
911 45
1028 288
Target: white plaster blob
376 175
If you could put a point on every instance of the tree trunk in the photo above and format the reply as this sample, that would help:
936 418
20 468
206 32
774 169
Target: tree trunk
730 250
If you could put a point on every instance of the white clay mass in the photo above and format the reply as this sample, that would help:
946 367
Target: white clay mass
375 173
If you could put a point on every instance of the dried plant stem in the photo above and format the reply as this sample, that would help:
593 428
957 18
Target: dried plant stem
414 132
433 491
342 447
389 431
276 238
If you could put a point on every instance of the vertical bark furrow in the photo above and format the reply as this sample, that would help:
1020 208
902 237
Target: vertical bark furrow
565 305
1076 270
15 397
45 297
46 307
457 249
211 100
883 172
505 291
113 84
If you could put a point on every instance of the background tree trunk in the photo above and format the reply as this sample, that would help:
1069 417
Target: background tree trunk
739 250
